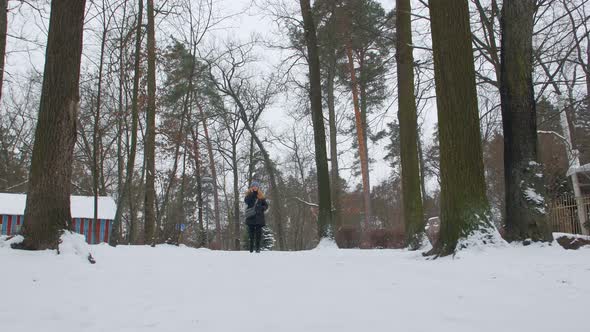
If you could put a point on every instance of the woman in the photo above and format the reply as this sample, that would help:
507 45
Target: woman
255 199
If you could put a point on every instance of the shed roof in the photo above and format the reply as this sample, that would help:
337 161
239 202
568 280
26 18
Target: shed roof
80 206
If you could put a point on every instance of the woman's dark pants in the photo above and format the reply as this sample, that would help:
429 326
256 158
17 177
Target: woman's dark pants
255 233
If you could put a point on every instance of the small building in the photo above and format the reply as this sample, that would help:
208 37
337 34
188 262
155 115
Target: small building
12 210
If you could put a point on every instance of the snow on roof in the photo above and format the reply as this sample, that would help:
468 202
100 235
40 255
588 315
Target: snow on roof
81 206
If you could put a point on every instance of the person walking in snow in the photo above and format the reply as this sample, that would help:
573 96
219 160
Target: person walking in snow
256 206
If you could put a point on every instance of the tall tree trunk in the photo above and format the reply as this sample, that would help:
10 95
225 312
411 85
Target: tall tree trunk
362 89
3 33
360 136
197 158
464 206
121 117
127 192
48 201
335 170
525 204
317 116
422 172
213 175
408 126
150 140
96 136
237 200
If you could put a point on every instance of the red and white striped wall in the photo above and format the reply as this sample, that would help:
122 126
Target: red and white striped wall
93 232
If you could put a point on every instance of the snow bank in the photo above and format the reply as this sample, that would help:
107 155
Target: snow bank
74 244
6 243
327 244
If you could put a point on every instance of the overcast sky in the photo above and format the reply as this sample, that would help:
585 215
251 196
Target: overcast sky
28 54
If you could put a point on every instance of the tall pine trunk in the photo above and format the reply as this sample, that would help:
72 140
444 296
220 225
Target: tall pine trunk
525 205
317 116
408 124
150 139
464 206
360 136
47 210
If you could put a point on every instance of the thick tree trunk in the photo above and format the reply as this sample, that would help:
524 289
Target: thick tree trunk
317 116
408 124
525 204
48 201
335 170
150 139
360 137
3 32
464 206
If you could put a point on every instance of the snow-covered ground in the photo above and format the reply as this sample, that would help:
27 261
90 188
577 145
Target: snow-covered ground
137 288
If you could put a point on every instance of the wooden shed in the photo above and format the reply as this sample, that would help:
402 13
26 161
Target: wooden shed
12 209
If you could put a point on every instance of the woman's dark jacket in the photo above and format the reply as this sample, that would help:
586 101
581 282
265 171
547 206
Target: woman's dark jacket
261 207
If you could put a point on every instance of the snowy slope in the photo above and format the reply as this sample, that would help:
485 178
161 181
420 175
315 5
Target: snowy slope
180 289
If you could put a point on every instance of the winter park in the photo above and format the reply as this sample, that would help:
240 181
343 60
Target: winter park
311 165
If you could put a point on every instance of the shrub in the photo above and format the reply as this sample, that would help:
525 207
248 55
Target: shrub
348 237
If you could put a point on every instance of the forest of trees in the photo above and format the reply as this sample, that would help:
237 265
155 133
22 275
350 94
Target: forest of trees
476 108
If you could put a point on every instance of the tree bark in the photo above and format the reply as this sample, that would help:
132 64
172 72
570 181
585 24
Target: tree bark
360 136
525 211
150 139
464 206
237 200
213 175
197 158
317 116
3 33
96 136
47 210
408 124
121 119
335 169
127 192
